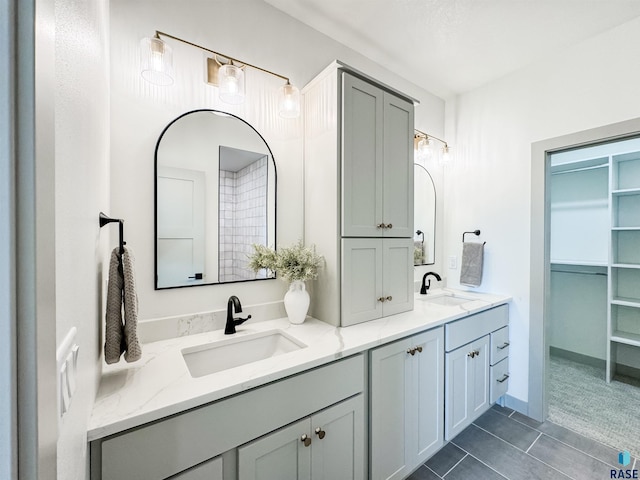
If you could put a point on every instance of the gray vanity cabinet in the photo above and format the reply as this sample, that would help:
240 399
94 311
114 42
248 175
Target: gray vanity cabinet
326 446
468 384
358 173
406 397
192 445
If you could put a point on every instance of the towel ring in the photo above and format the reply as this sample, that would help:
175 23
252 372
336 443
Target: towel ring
475 232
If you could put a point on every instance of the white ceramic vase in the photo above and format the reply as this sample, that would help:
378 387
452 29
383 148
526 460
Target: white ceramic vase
296 302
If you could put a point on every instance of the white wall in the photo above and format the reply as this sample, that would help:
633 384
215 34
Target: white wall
251 31
592 84
82 191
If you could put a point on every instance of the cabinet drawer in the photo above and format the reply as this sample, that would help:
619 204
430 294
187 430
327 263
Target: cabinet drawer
499 345
164 448
499 379
468 329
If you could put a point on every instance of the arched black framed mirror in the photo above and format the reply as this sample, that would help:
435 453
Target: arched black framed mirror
424 220
215 196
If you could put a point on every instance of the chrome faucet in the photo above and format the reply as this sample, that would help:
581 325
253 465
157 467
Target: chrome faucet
233 305
425 286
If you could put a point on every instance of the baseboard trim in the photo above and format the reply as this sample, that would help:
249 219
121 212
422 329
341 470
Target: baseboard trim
627 371
578 357
515 404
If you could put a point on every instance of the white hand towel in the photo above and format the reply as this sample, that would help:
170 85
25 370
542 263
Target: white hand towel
471 265
121 291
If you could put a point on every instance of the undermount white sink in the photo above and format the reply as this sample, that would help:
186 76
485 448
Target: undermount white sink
229 353
449 299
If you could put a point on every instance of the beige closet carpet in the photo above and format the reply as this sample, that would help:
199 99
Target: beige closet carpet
581 400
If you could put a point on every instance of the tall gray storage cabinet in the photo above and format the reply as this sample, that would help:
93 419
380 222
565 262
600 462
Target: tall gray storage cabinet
359 196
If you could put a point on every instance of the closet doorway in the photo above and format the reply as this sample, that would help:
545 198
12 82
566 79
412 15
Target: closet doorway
593 311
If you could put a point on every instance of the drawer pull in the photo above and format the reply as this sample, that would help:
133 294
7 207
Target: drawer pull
411 351
320 432
503 379
503 346
419 349
471 354
306 440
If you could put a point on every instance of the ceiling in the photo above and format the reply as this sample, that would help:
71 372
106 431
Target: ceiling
453 46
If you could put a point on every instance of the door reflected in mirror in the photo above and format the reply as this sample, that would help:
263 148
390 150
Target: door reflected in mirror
215 198
424 221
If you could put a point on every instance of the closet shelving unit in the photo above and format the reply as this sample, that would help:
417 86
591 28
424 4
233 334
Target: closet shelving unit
624 274
597 230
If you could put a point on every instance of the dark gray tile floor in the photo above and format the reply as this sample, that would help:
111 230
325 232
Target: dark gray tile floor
503 444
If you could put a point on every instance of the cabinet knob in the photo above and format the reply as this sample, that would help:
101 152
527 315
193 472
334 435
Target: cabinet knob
381 225
389 298
388 225
306 440
503 346
320 432
477 352
411 351
504 377
419 349
382 299
471 354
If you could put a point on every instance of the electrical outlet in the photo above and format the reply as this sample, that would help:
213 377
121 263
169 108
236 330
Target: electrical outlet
453 262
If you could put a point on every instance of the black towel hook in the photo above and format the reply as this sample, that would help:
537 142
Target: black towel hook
475 232
105 220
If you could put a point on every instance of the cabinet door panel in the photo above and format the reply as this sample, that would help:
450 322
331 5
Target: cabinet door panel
362 155
361 280
390 389
398 167
479 377
280 455
456 391
397 275
467 385
340 453
428 374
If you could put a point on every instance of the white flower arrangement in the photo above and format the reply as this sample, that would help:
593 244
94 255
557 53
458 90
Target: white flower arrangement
291 263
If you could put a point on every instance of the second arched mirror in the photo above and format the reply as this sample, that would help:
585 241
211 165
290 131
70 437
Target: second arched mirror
424 208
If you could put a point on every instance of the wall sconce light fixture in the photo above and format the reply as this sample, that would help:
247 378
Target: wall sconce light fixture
424 147
223 71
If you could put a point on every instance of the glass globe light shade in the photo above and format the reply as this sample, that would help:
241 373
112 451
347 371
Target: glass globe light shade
231 84
446 155
156 61
289 101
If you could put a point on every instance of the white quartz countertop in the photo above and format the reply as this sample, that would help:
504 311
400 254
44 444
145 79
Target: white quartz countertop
160 384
